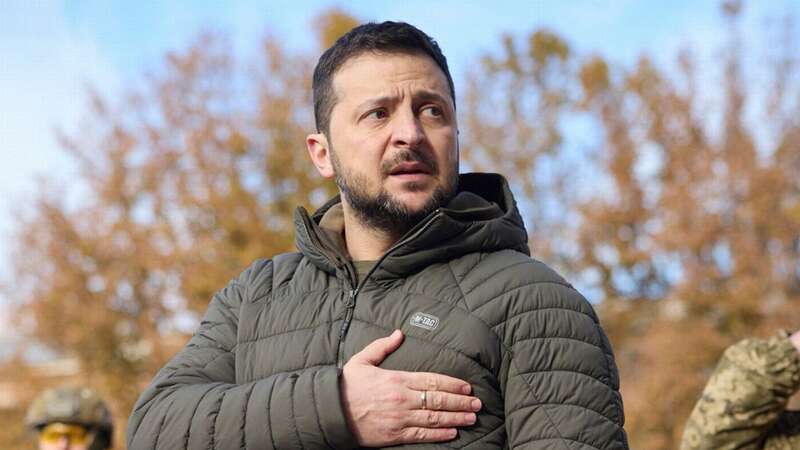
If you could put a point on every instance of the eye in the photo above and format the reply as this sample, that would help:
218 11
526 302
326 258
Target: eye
432 111
377 114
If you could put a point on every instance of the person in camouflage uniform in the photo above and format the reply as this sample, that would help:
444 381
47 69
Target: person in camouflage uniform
70 418
743 406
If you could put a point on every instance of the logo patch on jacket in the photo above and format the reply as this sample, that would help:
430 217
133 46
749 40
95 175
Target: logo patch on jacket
425 321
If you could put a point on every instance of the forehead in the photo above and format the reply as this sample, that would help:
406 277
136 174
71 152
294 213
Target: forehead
371 74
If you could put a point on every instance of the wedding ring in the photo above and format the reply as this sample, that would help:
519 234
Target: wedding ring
424 397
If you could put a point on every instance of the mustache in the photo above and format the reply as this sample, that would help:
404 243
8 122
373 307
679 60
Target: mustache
410 156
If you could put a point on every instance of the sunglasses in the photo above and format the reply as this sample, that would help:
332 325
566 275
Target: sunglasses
74 434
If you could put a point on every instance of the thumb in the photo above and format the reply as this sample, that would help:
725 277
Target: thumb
374 353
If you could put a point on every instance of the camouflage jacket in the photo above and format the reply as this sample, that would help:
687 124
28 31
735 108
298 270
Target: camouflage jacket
743 404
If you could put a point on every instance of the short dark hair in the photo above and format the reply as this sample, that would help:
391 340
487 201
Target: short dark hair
386 37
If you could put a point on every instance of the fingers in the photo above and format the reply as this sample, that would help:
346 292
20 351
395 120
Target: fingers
439 419
444 401
434 426
374 353
422 435
426 381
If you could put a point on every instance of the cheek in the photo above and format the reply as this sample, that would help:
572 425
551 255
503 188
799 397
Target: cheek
361 163
447 147
365 147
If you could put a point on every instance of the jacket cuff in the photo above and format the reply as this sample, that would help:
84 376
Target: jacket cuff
331 413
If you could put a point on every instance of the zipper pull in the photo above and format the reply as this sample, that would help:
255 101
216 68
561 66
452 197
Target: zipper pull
351 298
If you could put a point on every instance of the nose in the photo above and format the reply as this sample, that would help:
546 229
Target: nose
62 444
408 131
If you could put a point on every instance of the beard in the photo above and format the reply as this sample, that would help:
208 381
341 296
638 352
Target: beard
382 211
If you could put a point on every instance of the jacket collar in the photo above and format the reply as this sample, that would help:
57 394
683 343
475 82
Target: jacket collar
482 217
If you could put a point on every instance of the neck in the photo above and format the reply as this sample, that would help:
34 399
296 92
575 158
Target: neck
364 243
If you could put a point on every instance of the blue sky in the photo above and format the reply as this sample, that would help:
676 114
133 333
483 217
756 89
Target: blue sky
50 50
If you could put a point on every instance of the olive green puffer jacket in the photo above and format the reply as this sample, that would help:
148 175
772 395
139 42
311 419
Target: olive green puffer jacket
262 371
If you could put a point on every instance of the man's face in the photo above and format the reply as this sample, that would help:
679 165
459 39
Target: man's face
59 436
392 142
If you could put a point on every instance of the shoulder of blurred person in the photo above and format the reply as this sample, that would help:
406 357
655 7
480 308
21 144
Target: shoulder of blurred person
743 405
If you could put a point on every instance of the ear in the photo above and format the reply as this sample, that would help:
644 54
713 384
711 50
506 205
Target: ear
317 145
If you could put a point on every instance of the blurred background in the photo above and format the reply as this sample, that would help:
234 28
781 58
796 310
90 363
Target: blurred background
149 151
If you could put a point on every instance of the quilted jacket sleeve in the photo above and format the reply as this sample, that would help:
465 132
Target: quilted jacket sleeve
194 402
562 385
743 406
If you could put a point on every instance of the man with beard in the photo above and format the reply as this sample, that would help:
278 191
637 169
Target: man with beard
486 348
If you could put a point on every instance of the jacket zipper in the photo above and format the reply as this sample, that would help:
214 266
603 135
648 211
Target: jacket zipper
350 304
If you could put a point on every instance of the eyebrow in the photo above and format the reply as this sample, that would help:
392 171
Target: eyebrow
421 95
